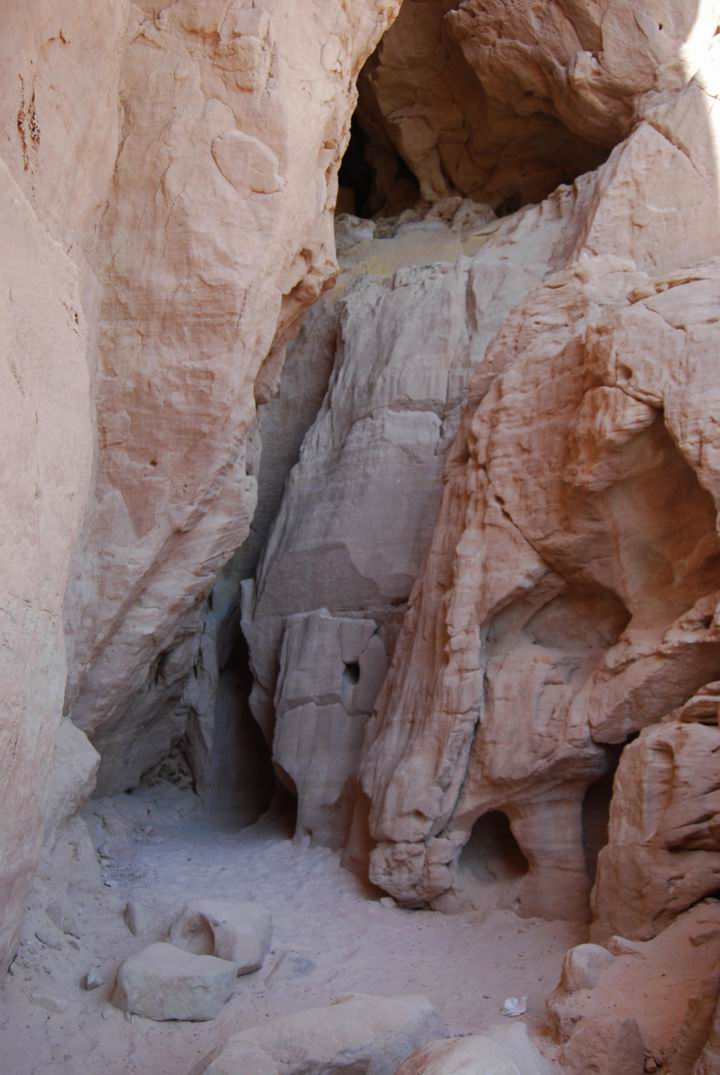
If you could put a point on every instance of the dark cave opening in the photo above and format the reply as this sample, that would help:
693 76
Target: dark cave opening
373 180
241 774
492 853
356 175
596 812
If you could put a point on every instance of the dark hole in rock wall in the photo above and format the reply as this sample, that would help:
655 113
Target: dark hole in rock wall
430 125
596 812
351 674
241 777
284 807
492 853
373 180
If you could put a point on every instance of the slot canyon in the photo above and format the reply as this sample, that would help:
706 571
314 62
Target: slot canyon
359 553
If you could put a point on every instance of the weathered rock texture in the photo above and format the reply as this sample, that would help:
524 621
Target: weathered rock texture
168 180
504 100
228 929
568 598
47 451
217 236
362 1033
504 1050
58 142
652 1000
164 982
410 319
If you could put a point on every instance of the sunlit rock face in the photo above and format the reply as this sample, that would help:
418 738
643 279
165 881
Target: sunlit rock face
217 235
409 321
168 183
568 597
58 138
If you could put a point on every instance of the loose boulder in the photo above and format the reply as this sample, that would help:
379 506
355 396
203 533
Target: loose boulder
228 929
362 1034
164 982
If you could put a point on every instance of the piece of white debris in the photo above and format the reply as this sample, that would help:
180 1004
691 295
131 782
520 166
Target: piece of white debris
514 1006
94 979
387 901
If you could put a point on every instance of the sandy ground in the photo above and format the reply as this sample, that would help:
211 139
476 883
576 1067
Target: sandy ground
331 936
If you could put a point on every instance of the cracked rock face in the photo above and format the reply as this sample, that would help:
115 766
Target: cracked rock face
217 235
581 605
356 518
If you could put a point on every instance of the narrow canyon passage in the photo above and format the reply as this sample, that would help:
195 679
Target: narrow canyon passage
360 554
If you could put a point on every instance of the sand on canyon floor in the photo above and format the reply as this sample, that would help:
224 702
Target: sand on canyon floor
332 936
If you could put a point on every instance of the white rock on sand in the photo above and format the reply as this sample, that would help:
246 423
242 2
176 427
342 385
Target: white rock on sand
229 929
362 1034
164 982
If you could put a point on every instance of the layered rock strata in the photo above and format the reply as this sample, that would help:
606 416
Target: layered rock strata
169 177
409 321
568 598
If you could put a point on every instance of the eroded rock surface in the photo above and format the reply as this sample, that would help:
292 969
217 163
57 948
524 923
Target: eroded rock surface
414 310
568 597
233 930
164 982
213 243
643 1002
502 1051
371 1035
167 217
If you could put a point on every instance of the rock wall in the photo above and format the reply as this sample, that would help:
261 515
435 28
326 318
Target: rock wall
409 320
169 176
494 565
567 600
58 83
217 235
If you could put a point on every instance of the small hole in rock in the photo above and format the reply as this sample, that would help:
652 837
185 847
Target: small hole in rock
352 672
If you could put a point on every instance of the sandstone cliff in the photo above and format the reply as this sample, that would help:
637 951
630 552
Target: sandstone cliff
463 540
172 169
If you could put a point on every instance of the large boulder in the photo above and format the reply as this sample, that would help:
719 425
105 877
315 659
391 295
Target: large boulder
164 982
651 999
362 1034
236 931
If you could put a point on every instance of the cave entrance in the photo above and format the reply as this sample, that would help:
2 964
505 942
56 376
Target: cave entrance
491 866
492 853
596 812
241 778
428 127
374 178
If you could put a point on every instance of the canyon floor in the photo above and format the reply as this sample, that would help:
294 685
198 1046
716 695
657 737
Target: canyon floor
332 936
